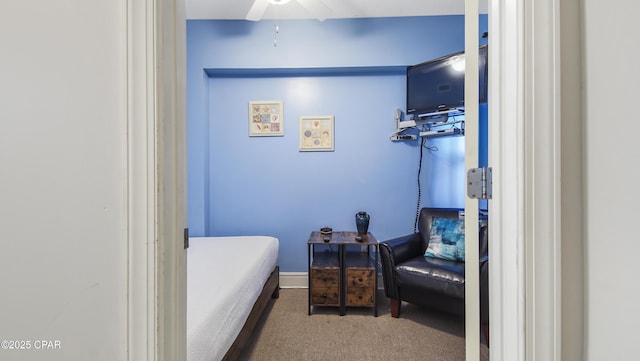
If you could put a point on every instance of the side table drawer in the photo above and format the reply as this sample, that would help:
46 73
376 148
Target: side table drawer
360 277
360 296
325 296
325 286
325 278
360 287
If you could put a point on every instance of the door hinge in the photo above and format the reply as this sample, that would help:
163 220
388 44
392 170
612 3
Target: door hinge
186 238
479 181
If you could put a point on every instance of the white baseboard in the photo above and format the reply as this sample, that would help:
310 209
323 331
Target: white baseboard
294 280
301 280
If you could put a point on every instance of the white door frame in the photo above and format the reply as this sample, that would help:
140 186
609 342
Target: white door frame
524 151
156 172
506 271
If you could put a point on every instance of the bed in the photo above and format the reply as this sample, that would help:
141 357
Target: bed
230 281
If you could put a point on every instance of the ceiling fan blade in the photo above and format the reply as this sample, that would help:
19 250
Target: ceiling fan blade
257 10
317 8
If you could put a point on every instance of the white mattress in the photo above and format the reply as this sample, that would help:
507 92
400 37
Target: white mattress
225 276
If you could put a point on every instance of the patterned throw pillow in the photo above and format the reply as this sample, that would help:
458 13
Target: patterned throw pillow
446 240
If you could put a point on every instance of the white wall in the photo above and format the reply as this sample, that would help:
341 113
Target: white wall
611 88
63 255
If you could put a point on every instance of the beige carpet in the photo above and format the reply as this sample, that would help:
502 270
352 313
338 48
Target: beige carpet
286 332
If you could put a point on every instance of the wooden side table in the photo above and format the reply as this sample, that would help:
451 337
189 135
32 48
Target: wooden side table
341 274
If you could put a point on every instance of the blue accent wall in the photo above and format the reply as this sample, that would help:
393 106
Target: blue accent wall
352 69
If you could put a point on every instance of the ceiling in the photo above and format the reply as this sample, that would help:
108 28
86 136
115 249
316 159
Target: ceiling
237 9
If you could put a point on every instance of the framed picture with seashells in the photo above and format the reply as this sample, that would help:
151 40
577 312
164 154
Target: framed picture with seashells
316 133
266 118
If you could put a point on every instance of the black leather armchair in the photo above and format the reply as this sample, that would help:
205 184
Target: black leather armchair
410 276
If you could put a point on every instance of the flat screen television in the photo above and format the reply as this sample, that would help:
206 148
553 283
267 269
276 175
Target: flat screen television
438 85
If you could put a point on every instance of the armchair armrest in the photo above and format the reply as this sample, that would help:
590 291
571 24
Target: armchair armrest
396 251
403 248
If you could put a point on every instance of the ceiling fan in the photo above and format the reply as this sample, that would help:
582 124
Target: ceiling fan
317 8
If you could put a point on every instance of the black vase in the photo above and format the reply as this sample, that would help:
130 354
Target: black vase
362 222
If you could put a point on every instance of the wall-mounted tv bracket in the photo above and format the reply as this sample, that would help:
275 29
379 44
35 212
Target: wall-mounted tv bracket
437 124
401 126
425 118
439 116
443 128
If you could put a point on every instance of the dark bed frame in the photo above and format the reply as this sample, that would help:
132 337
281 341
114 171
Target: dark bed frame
270 290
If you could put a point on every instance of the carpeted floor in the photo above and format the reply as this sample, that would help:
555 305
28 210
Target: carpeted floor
287 332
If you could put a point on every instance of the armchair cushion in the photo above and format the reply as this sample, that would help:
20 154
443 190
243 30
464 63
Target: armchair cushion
430 275
446 239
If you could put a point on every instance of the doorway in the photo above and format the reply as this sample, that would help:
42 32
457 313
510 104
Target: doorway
507 156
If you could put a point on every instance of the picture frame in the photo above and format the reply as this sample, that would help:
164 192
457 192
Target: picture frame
266 118
317 133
